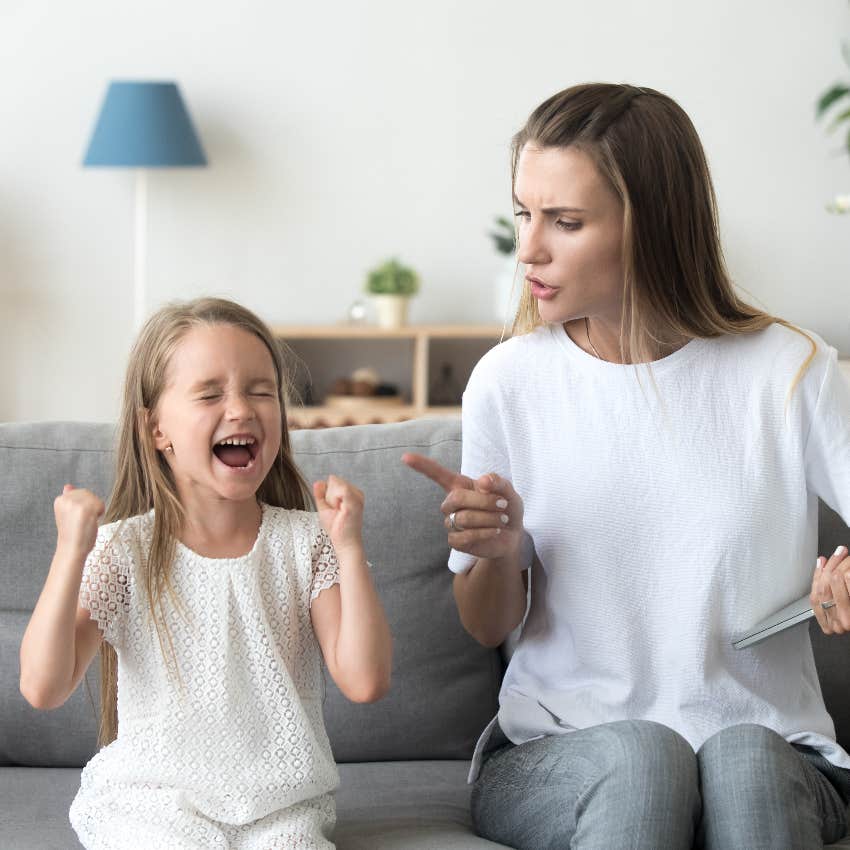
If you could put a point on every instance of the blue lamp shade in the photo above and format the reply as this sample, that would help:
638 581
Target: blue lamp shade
144 125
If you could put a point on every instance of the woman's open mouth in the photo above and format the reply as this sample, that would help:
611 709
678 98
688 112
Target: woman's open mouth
237 452
541 290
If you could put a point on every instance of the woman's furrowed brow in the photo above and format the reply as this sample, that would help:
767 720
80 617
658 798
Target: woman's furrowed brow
554 210
551 210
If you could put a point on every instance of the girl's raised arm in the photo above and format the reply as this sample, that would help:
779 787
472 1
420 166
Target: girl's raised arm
61 639
348 618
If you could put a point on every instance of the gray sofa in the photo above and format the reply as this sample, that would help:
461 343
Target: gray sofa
404 759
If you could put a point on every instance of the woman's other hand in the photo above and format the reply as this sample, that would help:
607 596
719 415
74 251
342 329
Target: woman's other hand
483 516
830 587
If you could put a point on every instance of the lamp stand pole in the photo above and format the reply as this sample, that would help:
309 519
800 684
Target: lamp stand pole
141 249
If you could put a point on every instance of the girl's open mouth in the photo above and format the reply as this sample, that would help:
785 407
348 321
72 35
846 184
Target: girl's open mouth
236 452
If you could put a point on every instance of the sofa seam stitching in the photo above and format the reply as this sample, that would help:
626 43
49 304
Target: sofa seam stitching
296 451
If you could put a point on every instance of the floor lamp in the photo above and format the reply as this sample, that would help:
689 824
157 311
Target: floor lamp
143 125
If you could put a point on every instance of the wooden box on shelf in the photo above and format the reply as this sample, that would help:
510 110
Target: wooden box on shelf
415 358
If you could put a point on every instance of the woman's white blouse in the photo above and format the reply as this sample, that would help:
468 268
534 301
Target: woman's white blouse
669 508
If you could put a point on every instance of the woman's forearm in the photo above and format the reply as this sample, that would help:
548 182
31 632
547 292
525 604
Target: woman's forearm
364 645
491 598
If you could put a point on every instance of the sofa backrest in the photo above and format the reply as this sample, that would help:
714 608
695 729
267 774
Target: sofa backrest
36 460
444 687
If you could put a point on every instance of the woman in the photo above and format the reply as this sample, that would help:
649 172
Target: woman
651 448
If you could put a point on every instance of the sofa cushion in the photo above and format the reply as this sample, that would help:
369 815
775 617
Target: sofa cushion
65 737
445 685
380 806
35 804
36 461
406 806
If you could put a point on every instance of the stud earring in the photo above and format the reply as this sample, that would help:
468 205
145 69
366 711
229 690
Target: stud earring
169 448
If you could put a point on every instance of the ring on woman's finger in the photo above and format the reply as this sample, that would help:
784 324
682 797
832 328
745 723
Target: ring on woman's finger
452 523
825 606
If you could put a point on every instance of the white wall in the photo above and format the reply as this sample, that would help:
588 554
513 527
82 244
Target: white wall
341 133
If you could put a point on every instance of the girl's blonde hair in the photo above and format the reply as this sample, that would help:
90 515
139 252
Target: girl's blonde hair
675 284
143 478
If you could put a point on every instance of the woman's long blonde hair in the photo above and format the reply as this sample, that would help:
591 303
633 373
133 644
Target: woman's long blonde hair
143 478
675 284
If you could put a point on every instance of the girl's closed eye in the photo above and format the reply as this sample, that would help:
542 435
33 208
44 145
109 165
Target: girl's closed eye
218 395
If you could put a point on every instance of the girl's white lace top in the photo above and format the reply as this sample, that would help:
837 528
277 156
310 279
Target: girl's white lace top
238 731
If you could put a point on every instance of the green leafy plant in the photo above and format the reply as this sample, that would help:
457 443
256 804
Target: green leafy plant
392 278
838 95
503 235
836 100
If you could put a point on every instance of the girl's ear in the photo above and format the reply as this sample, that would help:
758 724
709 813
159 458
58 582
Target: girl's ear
149 423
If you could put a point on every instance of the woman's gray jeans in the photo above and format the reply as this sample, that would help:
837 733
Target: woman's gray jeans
640 785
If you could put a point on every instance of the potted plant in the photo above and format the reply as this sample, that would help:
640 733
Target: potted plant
504 236
391 285
507 293
837 97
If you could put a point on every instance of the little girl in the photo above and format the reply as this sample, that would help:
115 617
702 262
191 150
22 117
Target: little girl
219 593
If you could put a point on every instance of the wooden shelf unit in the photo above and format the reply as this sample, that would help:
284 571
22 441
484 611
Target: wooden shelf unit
419 338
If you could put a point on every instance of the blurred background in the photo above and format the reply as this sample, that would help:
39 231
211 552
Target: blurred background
340 134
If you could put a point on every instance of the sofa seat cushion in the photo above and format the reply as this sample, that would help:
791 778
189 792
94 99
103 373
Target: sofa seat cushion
410 805
35 807
380 806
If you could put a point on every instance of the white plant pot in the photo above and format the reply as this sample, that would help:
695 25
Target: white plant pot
391 310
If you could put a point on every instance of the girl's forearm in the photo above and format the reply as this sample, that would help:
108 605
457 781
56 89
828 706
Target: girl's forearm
364 644
48 654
